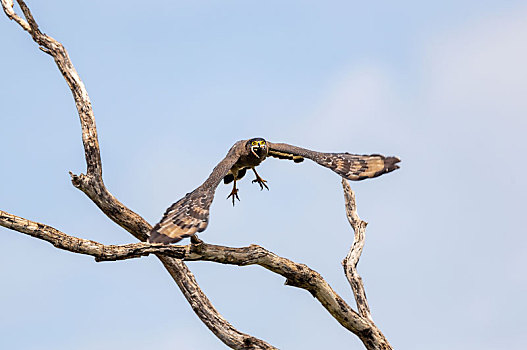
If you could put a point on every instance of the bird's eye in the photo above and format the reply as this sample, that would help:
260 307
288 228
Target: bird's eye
254 143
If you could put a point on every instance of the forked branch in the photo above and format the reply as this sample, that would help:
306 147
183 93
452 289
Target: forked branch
93 186
297 275
171 256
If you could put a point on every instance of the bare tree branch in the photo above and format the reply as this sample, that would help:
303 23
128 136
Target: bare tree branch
91 183
352 259
98 250
7 5
93 186
297 275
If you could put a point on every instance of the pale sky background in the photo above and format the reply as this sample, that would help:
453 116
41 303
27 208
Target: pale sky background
175 83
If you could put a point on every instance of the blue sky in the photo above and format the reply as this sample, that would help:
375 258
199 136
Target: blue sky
174 85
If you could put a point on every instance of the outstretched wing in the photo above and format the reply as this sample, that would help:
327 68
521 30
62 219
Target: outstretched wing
351 166
191 213
284 155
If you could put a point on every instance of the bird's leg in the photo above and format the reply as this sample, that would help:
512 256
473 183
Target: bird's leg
260 181
234 193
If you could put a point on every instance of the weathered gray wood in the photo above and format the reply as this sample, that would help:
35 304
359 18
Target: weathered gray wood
297 275
172 257
350 266
92 185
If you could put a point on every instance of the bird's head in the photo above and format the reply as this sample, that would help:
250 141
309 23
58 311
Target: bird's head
257 147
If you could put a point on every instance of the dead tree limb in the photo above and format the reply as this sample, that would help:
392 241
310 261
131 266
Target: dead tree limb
172 257
352 259
297 275
93 186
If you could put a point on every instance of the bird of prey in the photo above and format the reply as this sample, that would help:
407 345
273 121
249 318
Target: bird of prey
191 213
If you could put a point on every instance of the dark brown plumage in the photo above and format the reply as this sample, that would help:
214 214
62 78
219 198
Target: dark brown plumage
191 213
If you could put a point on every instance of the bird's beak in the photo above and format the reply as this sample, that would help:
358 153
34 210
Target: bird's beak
253 150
